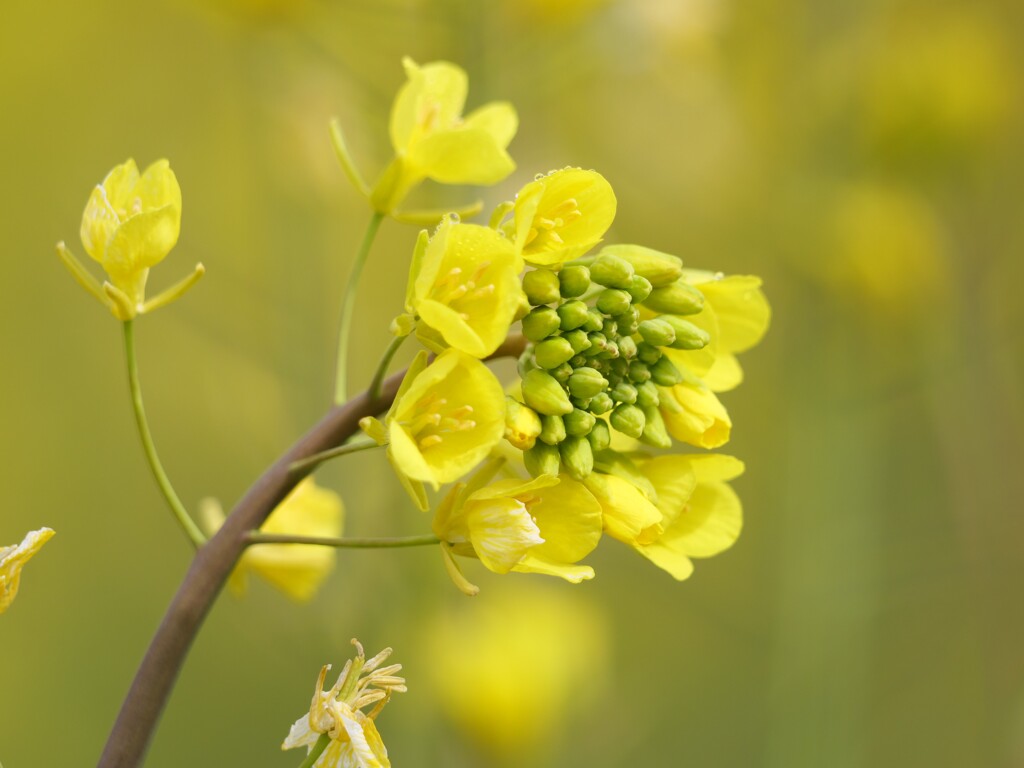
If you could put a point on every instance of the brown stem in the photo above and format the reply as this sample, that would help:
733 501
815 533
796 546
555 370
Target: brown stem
155 678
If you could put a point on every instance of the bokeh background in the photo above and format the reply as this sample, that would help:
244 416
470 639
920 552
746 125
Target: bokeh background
863 156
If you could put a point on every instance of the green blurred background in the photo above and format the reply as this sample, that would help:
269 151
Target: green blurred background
863 156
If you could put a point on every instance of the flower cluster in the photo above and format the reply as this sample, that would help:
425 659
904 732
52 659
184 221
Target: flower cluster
626 350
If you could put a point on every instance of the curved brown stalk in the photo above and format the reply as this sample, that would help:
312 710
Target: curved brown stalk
141 709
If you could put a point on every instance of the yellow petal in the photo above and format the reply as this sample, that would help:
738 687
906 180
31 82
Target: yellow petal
674 480
13 559
628 515
726 373
742 309
694 415
461 156
498 118
432 98
711 524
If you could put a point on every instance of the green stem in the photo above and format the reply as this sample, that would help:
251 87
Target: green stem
177 508
258 537
348 306
319 458
318 749
382 367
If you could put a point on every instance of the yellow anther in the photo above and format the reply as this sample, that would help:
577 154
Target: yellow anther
462 412
430 441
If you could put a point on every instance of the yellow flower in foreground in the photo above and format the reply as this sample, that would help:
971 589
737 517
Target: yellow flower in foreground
629 515
432 140
702 515
13 559
694 415
544 525
337 712
562 215
510 670
467 287
130 224
295 569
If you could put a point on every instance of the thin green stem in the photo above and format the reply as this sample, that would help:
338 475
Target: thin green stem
177 508
382 367
305 465
258 537
318 749
348 306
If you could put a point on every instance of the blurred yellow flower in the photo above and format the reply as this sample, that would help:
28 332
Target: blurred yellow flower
544 525
432 140
467 287
130 224
511 670
13 559
562 215
336 713
446 418
295 569
701 514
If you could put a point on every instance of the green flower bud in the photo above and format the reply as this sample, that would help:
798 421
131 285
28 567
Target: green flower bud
647 395
601 403
542 459
525 363
578 423
578 457
551 353
646 353
578 340
582 403
655 433
612 301
598 341
552 429
688 335
562 372
579 361
572 314
611 272
627 347
628 419
656 332
657 267
574 281
638 372
610 328
600 436
540 323
627 324
618 367
611 351
544 394
623 392
541 286
640 288
586 382
665 374
595 320
679 298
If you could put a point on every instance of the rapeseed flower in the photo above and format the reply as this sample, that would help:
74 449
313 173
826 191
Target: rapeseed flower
466 287
295 569
545 525
432 140
562 215
13 559
337 712
130 224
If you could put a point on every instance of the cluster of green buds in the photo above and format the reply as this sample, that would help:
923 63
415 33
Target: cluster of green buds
597 328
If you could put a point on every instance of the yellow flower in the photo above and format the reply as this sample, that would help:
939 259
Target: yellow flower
130 224
13 559
354 740
544 525
432 140
446 418
562 215
467 287
295 569
508 671
694 415
629 515
702 515
741 316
